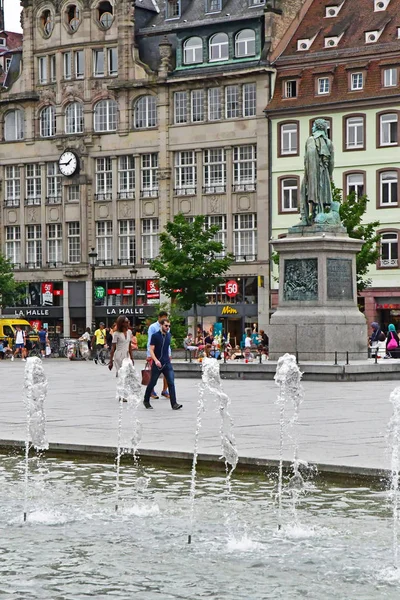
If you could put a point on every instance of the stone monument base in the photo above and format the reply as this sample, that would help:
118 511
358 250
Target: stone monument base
317 313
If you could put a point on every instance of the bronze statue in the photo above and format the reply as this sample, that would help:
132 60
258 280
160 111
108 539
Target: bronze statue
316 192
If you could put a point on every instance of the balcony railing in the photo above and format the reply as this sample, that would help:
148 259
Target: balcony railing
245 257
125 262
54 264
214 189
151 193
244 187
103 196
33 265
53 199
16 266
15 202
126 195
389 262
33 201
105 262
185 191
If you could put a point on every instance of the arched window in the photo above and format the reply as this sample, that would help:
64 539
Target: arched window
73 17
245 43
105 14
74 118
48 122
105 115
389 250
145 112
46 21
219 47
193 51
14 125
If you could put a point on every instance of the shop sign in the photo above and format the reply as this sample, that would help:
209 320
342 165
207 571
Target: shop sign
229 310
47 294
127 292
124 311
387 306
152 291
58 292
231 288
114 291
36 325
99 292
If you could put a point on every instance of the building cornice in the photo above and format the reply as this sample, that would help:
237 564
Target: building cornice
22 97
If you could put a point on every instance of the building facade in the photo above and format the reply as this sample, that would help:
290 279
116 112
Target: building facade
115 116
346 70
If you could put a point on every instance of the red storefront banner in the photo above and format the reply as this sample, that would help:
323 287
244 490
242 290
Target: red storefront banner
153 293
114 291
47 294
36 325
58 292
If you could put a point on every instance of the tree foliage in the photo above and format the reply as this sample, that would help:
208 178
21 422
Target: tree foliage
10 290
190 261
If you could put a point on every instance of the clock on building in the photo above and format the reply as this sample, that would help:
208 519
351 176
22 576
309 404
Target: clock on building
68 163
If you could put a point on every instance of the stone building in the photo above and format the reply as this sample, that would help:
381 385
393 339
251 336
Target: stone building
115 116
347 70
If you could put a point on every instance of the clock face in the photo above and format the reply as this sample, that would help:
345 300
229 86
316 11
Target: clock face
68 163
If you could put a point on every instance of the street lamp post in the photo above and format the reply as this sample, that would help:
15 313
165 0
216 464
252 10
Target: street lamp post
133 275
92 262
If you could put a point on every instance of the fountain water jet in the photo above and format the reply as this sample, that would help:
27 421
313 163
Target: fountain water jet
288 377
35 392
129 389
394 446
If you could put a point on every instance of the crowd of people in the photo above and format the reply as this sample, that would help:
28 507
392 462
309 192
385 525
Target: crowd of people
206 344
22 344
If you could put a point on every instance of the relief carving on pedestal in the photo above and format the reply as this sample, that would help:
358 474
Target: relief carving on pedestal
214 205
300 279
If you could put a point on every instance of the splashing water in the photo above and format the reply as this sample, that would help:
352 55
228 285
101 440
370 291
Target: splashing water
288 377
35 392
394 446
129 389
192 493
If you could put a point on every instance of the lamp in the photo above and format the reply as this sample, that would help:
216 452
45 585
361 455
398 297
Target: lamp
133 273
93 262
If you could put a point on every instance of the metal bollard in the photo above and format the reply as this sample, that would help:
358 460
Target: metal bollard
297 357
347 358
376 357
190 356
336 358
260 358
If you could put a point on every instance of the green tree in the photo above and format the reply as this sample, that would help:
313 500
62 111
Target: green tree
10 290
190 261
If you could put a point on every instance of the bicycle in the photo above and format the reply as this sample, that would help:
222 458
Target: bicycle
104 356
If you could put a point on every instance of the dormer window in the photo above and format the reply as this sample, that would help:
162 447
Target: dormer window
290 88
372 36
2 42
381 5
105 14
332 42
305 44
193 51
357 81
245 43
332 11
213 6
256 3
323 85
173 9
72 16
219 47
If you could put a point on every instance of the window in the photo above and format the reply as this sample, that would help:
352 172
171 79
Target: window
244 168
48 121
126 242
33 179
357 81
173 9
249 100
389 129
42 61
103 178
112 55
323 85
54 244
126 177
219 47
180 107
390 77
289 138
245 43
7 64
46 22
104 242
79 64
105 14
214 104
213 6
13 185
149 175
389 250
13 244
245 237
232 104
290 89
150 239
14 125
105 115
74 118
215 171
185 173
389 188
67 58
193 51
98 63
354 133
74 242
34 246
54 186
145 112
355 184
53 68
220 236
72 17
289 194
197 106
73 193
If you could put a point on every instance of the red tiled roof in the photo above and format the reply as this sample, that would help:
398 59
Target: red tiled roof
13 40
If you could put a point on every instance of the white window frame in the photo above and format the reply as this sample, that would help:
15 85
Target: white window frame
74 242
48 123
33 183
126 242
79 64
291 88
106 116
245 43
232 102
53 183
67 62
244 168
150 239
390 180
213 6
99 68
126 177
355 132
74 118
33 241
245 237
193 51
249 99
173 9
390 249
185 173
43 70
104 178
289 194
181 107
14 122
73 193
149 175
214 169
53 68
214 104
289 138
197 99
112 61
357 81
388 129
220 236
390 77
13 244
12 174
145 112
104 242
218 50
324 86
54 244
355 183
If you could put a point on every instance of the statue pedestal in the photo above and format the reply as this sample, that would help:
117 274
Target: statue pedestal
317 313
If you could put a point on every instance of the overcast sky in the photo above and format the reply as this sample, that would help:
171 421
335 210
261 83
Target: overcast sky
12 12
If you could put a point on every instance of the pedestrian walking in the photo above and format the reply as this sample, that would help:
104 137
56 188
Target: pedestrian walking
85 343
43 340
160 348
121 344
19 342
99 340
154 328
